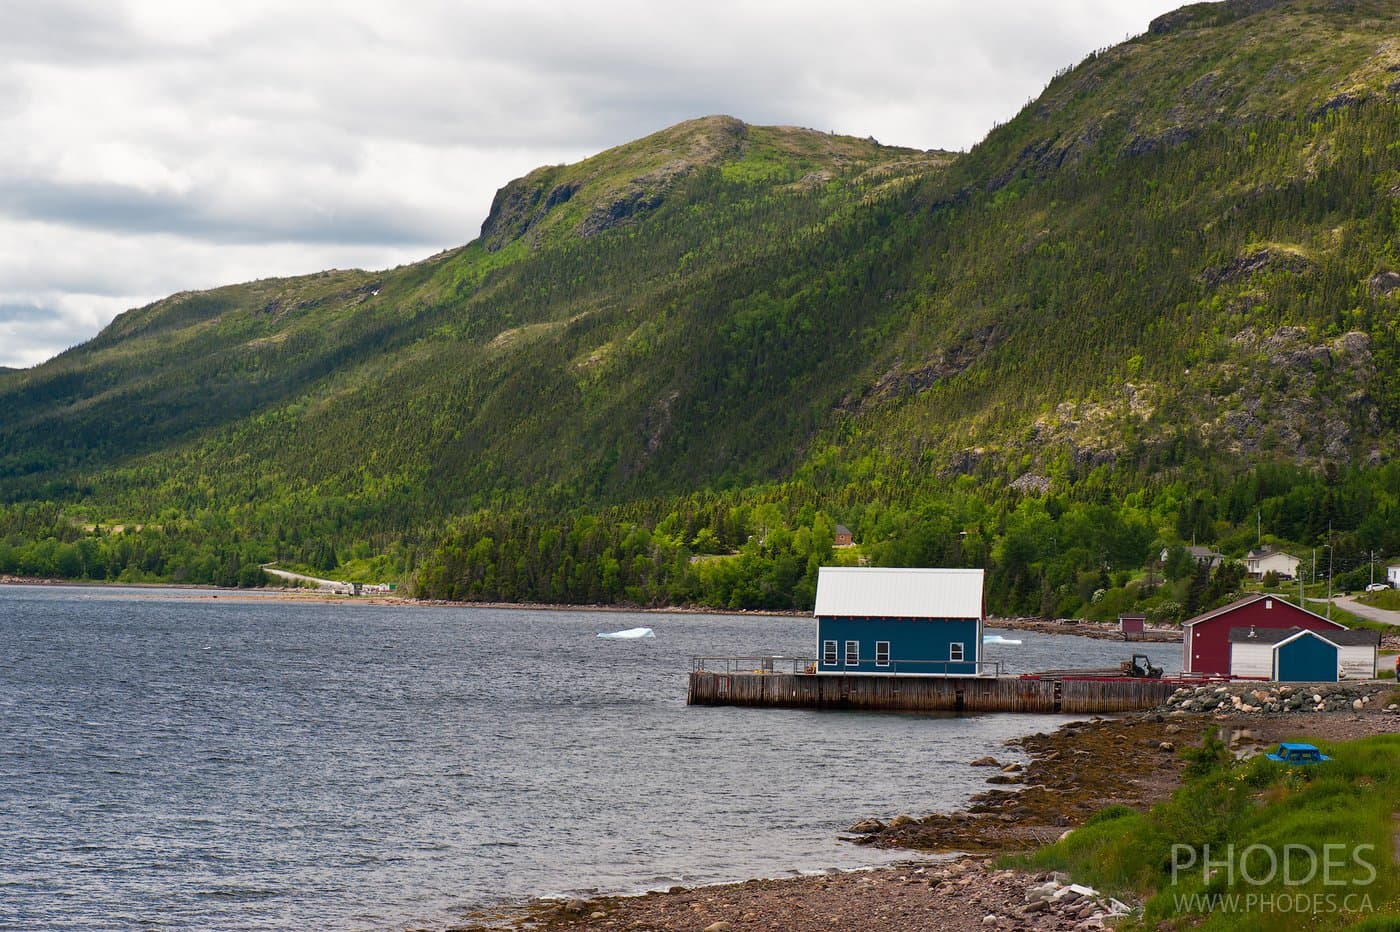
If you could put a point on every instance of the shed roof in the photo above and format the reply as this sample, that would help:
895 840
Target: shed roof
1250 600
1346 638
890 592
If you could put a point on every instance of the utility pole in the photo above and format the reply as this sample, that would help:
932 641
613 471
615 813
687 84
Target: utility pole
1258 527
1373 567
1330 551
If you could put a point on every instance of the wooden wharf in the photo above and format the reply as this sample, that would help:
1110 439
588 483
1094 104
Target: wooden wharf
1061 692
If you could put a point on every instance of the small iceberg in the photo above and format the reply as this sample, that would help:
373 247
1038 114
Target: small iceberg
998 639
631 634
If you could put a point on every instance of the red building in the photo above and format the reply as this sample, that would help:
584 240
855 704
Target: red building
1206 645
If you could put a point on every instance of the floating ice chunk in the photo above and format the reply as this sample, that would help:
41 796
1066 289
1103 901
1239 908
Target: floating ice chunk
628 635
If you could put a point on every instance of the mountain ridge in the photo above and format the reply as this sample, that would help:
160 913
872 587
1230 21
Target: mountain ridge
1171 262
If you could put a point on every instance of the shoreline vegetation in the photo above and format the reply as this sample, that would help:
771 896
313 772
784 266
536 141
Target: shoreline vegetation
1074 626
1102 630
995 863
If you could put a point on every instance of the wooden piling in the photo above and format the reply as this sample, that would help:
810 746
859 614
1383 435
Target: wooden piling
926 693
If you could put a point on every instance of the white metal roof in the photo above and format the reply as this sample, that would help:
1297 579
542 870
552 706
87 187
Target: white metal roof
890 592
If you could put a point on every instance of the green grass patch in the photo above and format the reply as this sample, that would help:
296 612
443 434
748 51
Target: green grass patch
1339 614
1387 599
1254 845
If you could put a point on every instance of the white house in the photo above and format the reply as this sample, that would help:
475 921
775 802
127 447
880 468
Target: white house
1211 558
1259 562
1392 576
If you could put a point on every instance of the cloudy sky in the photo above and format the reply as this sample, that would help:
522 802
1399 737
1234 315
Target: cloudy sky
153 146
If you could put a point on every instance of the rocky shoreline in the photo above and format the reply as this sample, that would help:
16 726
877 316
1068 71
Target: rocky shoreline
1090 629
1281 698
1072 773
1101 630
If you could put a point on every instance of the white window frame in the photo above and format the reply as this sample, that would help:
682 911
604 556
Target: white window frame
882 653
829 655
853 653
956 652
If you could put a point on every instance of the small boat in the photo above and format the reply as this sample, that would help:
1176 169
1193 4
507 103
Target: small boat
1294 753
631 634
998 639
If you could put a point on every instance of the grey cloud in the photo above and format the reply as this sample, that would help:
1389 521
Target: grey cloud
71 32
116 208
29 335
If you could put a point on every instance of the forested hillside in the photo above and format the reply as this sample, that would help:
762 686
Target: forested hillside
1161 305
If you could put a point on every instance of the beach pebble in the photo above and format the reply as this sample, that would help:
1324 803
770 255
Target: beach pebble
718 926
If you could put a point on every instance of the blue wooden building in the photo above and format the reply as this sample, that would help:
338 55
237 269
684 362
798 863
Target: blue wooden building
884 620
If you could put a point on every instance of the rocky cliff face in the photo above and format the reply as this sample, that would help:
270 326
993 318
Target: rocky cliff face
613 188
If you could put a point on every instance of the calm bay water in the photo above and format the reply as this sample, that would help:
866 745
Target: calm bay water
168 759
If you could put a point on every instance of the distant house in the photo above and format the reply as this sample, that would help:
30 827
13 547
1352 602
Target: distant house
1132 624
1204 555
843 537
1257 563
1392 575
1206 640
1301 655
924 622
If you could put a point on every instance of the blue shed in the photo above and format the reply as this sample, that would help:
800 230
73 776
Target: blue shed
1306 657
884 620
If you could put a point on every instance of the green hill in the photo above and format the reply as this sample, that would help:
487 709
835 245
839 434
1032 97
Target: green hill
1167 288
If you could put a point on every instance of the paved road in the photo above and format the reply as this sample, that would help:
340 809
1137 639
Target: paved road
1350 604
332 584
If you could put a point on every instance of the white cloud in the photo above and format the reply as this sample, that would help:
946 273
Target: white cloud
171 145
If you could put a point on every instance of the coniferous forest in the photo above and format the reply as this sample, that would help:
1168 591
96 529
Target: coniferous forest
1159 307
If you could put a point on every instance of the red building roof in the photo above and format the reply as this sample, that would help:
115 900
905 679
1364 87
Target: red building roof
1206 644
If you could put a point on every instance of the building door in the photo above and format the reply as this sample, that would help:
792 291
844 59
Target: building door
1309 659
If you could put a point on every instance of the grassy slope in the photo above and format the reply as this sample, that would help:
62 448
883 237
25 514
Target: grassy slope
454 369
1346 802
1081 300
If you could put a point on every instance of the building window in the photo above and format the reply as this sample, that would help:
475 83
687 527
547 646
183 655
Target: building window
853 653
882 653
829 653
955 651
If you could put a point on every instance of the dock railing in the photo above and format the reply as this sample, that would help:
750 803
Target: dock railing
758 664
809 666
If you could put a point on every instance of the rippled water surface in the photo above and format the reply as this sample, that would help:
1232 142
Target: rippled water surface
169 759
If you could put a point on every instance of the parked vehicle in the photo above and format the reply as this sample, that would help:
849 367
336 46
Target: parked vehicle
1378 587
